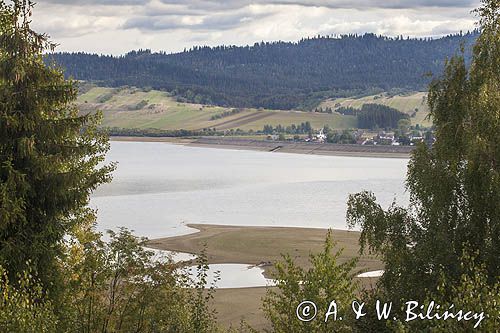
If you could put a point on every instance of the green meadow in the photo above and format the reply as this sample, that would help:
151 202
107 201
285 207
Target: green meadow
135 108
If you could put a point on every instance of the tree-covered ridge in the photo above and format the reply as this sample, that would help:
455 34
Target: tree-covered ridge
278 75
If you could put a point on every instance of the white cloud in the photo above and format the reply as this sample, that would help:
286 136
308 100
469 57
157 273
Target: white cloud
117 26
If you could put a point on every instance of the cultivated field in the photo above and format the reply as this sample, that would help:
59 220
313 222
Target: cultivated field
407 103
134 108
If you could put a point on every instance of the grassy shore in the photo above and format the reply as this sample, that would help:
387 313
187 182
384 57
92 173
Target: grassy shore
256 245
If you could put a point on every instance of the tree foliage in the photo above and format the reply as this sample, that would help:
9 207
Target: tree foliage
340 137
113 286
474 291
302 128
120 286
454 185
325 281
57 274
49 155
23 305
374 116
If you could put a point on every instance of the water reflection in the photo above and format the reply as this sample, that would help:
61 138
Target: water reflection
158 188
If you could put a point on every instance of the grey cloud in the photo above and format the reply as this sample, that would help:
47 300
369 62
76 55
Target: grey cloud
213 15
146 23
389 4
345 4
99 2
236 4
445 29
212 22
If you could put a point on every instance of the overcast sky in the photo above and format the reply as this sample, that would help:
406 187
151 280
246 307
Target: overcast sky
118 26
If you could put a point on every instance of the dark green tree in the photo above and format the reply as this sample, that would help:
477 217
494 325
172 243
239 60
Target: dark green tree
50 156
454 185
326 280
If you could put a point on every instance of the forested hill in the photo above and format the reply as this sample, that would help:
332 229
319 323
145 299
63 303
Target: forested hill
279 75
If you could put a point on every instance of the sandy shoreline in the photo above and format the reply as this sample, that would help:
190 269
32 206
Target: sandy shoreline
258 245
310 148
263 245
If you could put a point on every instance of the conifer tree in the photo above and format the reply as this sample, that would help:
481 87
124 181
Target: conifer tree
50 156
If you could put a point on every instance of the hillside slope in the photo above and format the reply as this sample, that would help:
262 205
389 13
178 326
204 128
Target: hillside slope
275 75
413 103
135 108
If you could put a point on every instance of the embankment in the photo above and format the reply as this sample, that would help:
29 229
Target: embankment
315 148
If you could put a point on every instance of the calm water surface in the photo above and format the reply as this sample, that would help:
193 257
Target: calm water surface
158 188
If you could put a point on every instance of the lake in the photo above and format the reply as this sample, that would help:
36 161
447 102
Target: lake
158 188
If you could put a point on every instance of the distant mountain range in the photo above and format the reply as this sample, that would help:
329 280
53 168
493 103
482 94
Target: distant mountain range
277 75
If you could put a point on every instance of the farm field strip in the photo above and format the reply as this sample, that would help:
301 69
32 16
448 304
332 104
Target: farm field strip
134 108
